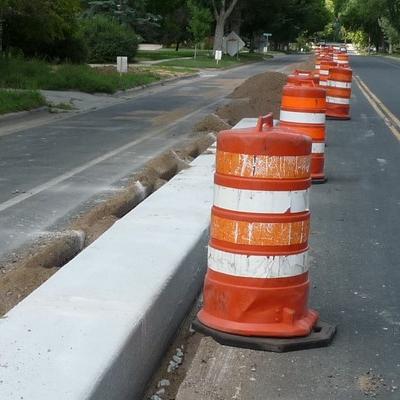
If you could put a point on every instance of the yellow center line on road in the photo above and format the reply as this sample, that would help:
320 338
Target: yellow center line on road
390 119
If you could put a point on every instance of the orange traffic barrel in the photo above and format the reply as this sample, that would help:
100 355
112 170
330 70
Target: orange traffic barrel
303 110
341 59
338 93
324 72
257 283
320 59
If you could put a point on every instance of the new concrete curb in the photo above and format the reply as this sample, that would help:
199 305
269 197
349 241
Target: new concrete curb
97 329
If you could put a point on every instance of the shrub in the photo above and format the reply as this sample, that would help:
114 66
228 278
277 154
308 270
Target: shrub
106 39
11 100
73 49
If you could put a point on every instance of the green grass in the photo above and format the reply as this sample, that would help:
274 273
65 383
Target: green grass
206 61
164 54
393 55
12 101
34 74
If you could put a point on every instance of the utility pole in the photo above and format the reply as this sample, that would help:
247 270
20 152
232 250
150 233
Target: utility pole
1 31
1 34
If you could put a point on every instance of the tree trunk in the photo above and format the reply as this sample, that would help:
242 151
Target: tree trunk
1 32
219 33
177 45
369 44
195 51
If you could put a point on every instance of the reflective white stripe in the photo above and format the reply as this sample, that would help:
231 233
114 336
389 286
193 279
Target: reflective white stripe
302 117
324 72
338 84
318 148
261 201
337 100
317 66
342 62
323 83
257 266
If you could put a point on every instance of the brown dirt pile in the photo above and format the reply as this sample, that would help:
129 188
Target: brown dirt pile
212 123
257 96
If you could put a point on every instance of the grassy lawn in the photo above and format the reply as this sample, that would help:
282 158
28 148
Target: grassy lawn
393 55
12 101
34 74
207 61
164 54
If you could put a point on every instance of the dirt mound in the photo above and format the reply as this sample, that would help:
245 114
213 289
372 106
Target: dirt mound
236 110
258 95
212 123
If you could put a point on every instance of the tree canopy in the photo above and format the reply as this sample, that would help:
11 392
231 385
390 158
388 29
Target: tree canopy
58 28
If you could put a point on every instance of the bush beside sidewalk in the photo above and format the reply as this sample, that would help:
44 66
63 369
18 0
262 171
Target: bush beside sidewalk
14 101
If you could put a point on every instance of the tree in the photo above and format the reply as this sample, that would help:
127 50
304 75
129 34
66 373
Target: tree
222 10
174 20
364 15
107 39
200 22
37 27
132 13
390 32
286 19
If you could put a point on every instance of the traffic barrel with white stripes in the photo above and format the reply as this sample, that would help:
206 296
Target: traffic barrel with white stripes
303 110
257 282
338 93
341 59
324 72
318 61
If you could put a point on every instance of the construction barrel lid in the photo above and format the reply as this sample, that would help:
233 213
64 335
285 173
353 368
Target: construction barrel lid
270 141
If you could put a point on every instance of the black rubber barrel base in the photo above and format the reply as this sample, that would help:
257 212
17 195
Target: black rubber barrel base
316 181
321 336
332 118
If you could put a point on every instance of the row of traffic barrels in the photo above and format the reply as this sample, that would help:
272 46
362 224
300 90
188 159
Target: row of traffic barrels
257 283
312 96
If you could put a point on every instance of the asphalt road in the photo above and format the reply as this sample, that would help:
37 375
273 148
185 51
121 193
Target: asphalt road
355 272
382 75
50 172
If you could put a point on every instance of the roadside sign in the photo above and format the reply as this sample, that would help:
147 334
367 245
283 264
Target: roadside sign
218 55
122 65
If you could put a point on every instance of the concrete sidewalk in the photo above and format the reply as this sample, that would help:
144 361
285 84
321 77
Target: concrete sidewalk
356 280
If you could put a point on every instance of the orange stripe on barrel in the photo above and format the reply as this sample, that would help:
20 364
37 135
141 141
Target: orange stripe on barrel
261 166
260 233
311 103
